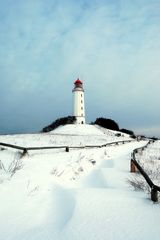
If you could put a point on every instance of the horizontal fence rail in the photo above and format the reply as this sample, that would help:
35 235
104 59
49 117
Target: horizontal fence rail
12 146
26 149
136 166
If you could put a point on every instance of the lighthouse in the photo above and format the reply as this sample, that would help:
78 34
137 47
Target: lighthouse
78 102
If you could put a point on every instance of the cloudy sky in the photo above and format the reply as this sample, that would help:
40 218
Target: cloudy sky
113 46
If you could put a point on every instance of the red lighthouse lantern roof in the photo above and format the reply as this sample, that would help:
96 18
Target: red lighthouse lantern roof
78 81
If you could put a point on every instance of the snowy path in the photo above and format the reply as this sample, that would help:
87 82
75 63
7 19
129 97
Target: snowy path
97 205
107 209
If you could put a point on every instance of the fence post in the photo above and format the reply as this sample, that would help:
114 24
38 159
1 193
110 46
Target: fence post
154 194
24 152
133 167
67 149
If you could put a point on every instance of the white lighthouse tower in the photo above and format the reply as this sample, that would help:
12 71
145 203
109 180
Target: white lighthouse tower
78 110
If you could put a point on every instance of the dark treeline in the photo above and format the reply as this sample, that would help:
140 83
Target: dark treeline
112 125
107 123
58 122
127 131
103 122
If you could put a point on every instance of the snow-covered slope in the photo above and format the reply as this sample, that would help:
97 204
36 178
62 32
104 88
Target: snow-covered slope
66 135
78 129
81 194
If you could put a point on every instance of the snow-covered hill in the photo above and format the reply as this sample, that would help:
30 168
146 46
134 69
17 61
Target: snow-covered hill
66 135
81 194
78 129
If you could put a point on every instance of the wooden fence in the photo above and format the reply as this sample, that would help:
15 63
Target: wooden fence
67 148
135 166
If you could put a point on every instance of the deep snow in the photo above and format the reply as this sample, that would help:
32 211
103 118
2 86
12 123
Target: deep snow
82 194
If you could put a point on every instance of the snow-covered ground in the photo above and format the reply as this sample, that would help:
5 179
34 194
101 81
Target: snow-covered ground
81 194
72 135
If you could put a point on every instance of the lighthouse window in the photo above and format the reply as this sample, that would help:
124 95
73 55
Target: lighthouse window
81 95
81 101
81 108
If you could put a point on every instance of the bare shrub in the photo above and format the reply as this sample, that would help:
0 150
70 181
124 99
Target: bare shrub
138 184
2 166
153 170
15 165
